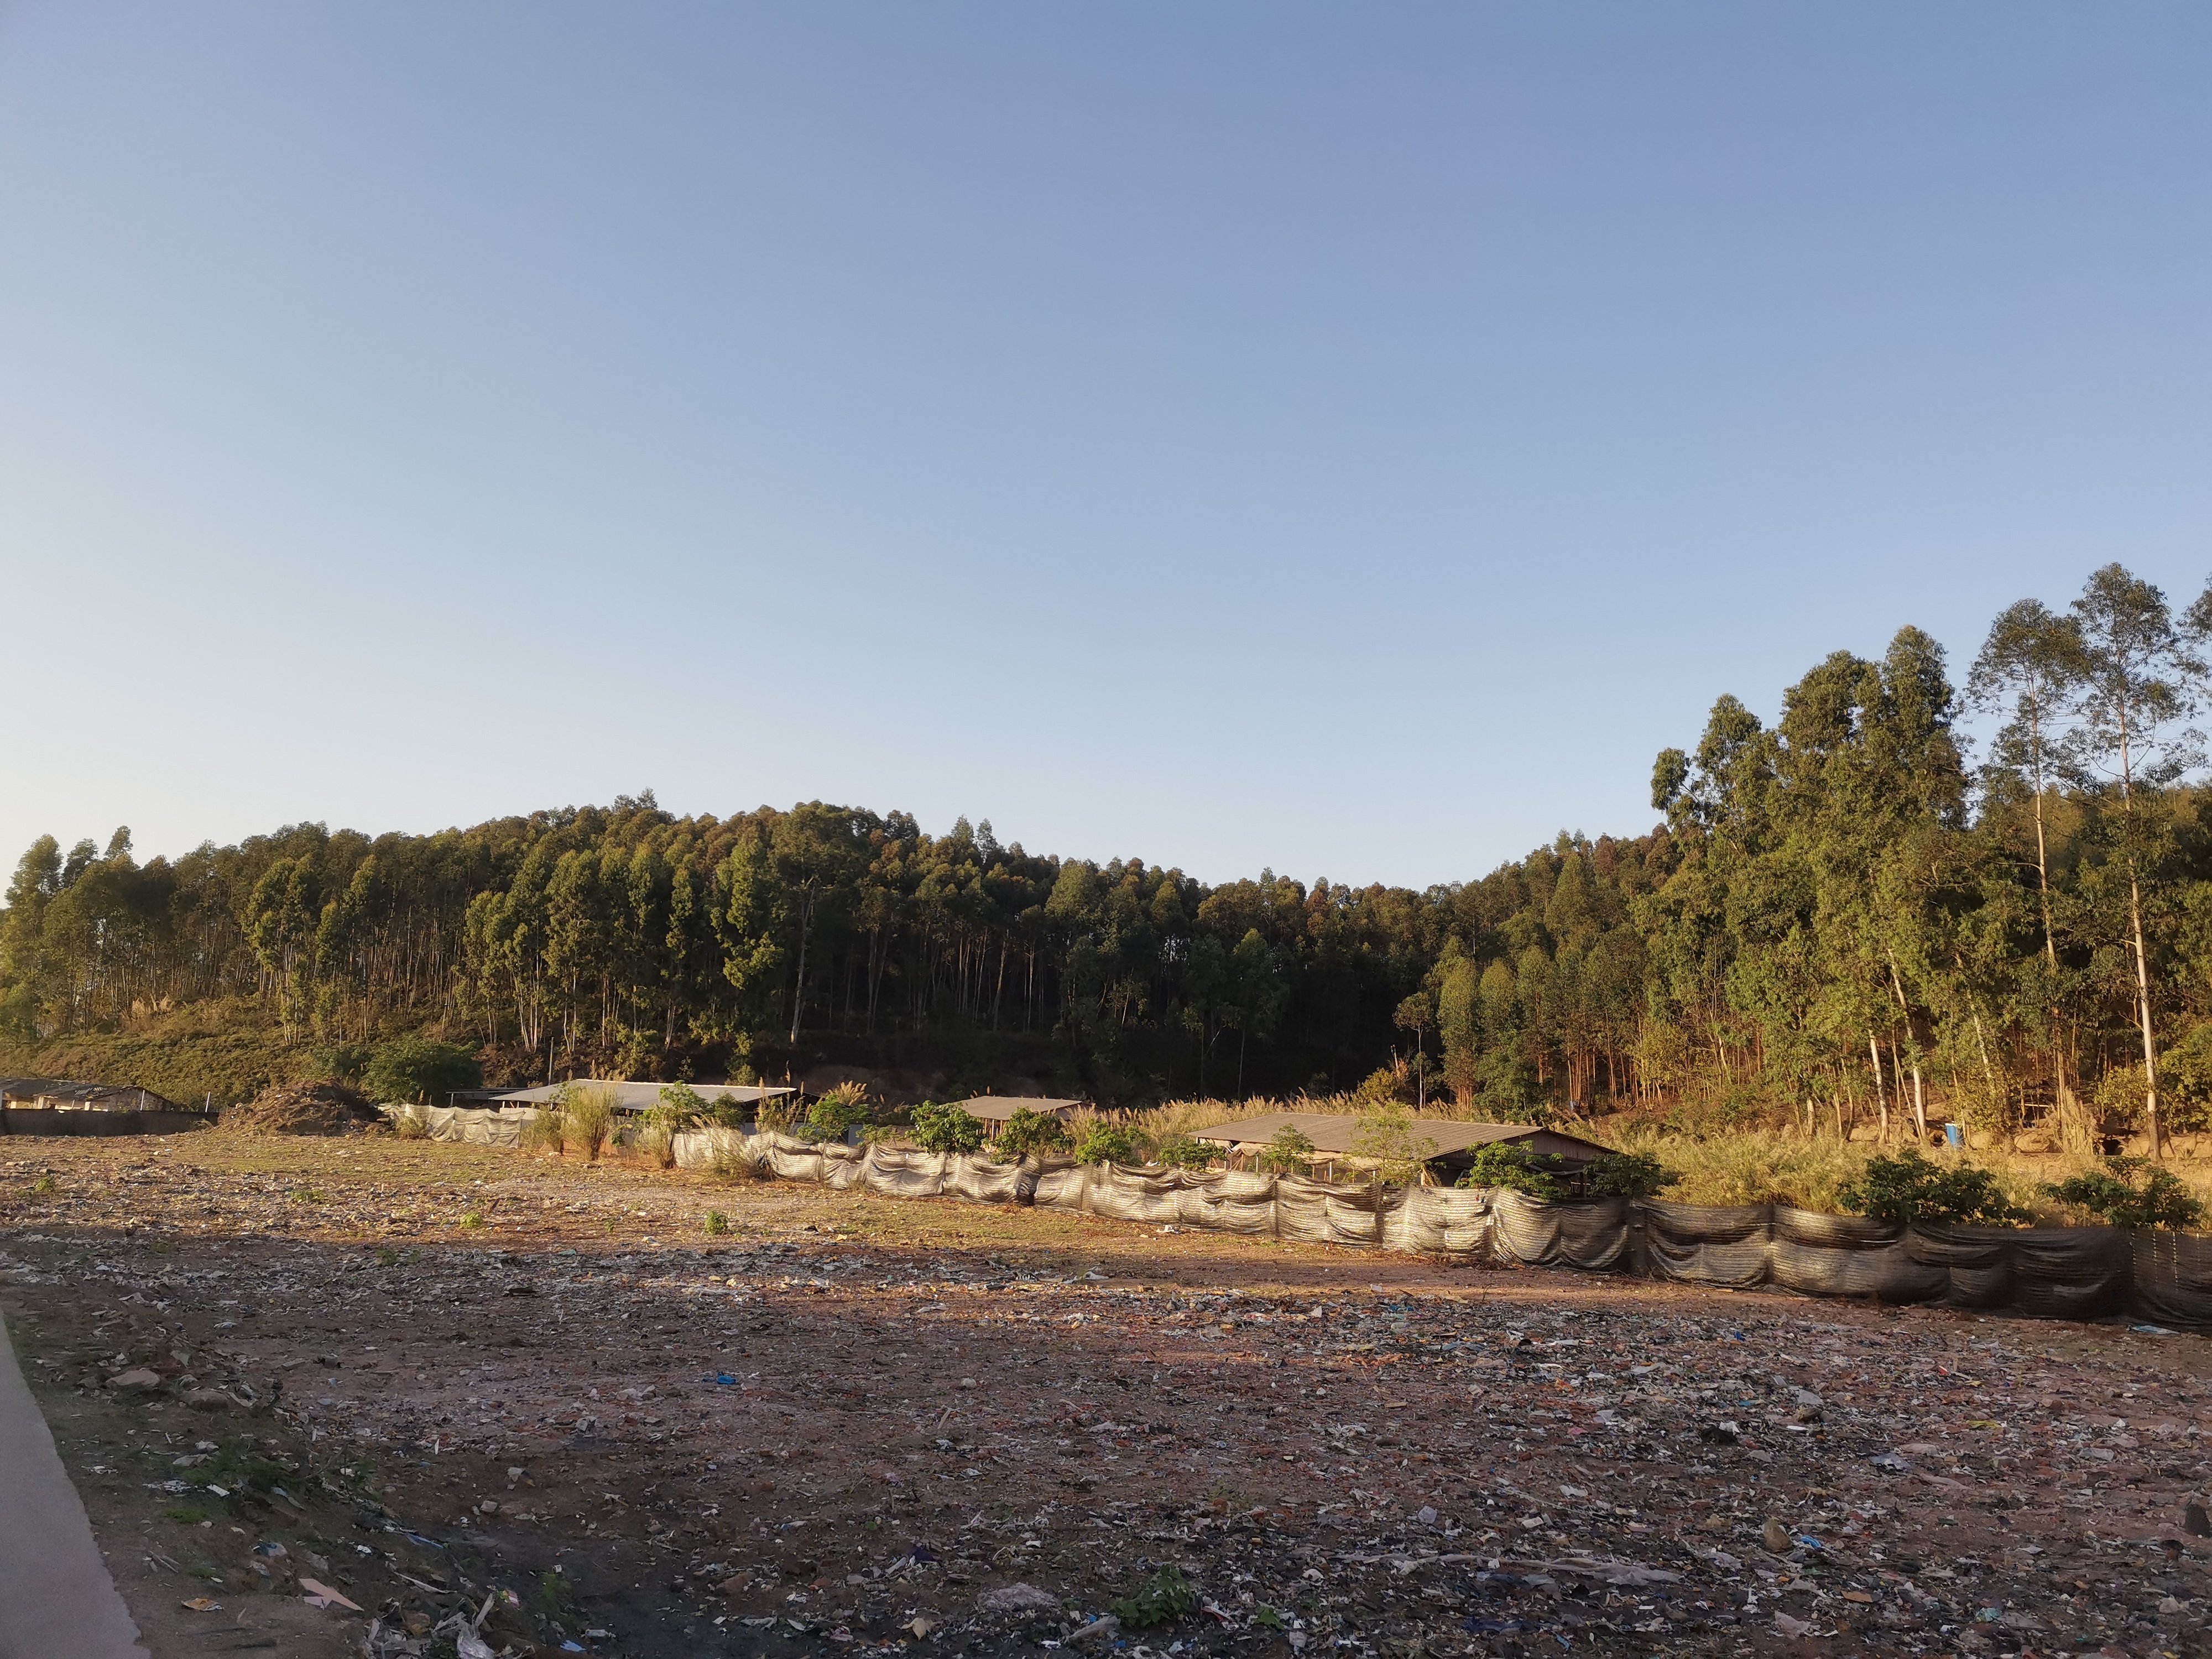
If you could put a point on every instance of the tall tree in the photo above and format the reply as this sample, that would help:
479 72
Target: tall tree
2141 677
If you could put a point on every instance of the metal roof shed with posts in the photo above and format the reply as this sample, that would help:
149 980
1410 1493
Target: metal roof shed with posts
1455 1142
997 1109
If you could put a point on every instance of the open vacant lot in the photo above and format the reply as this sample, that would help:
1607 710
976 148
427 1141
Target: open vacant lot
555 1407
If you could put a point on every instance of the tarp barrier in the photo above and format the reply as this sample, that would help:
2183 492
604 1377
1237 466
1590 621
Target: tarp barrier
1591 1234
2076 1272
1440 1220
2171 1277
971 1176
1062 1186
1321 1212
1706 1244
1817 1254
899 1174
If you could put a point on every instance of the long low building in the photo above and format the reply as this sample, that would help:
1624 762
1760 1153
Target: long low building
629 1096
1454 1142
62 1094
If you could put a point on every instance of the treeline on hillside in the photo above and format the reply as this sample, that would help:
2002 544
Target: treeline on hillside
1838 912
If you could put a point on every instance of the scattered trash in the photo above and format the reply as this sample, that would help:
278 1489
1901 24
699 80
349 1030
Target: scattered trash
1186 1422
2153 1330
203 1604
1020 1598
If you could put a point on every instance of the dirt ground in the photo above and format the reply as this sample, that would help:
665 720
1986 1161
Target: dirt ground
519 1405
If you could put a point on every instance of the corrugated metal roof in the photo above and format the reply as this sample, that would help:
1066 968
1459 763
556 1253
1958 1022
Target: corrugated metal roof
629 1096
73 1092
1331 1132
997 1109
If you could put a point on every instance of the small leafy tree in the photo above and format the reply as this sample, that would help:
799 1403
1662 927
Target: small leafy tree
682 1100
1502 1163
1031 1134
1386 1136
1106 1143
951 1128
1185 1151
1907 1187
414 1069
1287 1152
1629 1175
2127 1192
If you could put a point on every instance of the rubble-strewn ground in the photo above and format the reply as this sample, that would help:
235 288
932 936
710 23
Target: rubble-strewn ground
445 1379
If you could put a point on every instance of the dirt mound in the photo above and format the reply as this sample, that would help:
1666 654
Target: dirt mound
306 1109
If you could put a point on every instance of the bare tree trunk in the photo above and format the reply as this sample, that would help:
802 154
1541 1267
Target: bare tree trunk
1881 1092
2143 959
2142 1011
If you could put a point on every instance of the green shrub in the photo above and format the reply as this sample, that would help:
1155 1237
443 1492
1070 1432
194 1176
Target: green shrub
1629 1175
1106 1143
1502 1163
344 1062
717 1223
1286 1152
724 1112
1162 1599
1186 1153
841 1108
1907 1188
414 1069
945 1128
1030 1134
2127 1192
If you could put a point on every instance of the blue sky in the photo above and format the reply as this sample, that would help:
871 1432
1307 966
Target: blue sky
1349 440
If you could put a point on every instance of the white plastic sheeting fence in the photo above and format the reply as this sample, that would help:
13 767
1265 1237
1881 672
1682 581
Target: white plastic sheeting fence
2076 1272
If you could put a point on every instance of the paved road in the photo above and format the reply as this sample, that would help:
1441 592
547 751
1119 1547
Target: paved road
57 1601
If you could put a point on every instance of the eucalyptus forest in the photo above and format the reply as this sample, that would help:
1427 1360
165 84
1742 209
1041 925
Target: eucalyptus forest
1853 909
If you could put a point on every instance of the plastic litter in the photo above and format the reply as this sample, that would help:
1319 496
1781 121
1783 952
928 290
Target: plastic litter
320 1595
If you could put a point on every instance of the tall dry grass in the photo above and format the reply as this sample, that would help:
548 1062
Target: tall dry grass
1741 1165
1810 1172
587 1120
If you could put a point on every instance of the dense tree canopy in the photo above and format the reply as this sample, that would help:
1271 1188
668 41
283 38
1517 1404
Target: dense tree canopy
1837 910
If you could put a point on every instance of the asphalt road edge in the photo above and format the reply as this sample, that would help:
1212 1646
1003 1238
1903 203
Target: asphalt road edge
57 1600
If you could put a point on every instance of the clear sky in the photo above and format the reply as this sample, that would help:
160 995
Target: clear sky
1348 438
